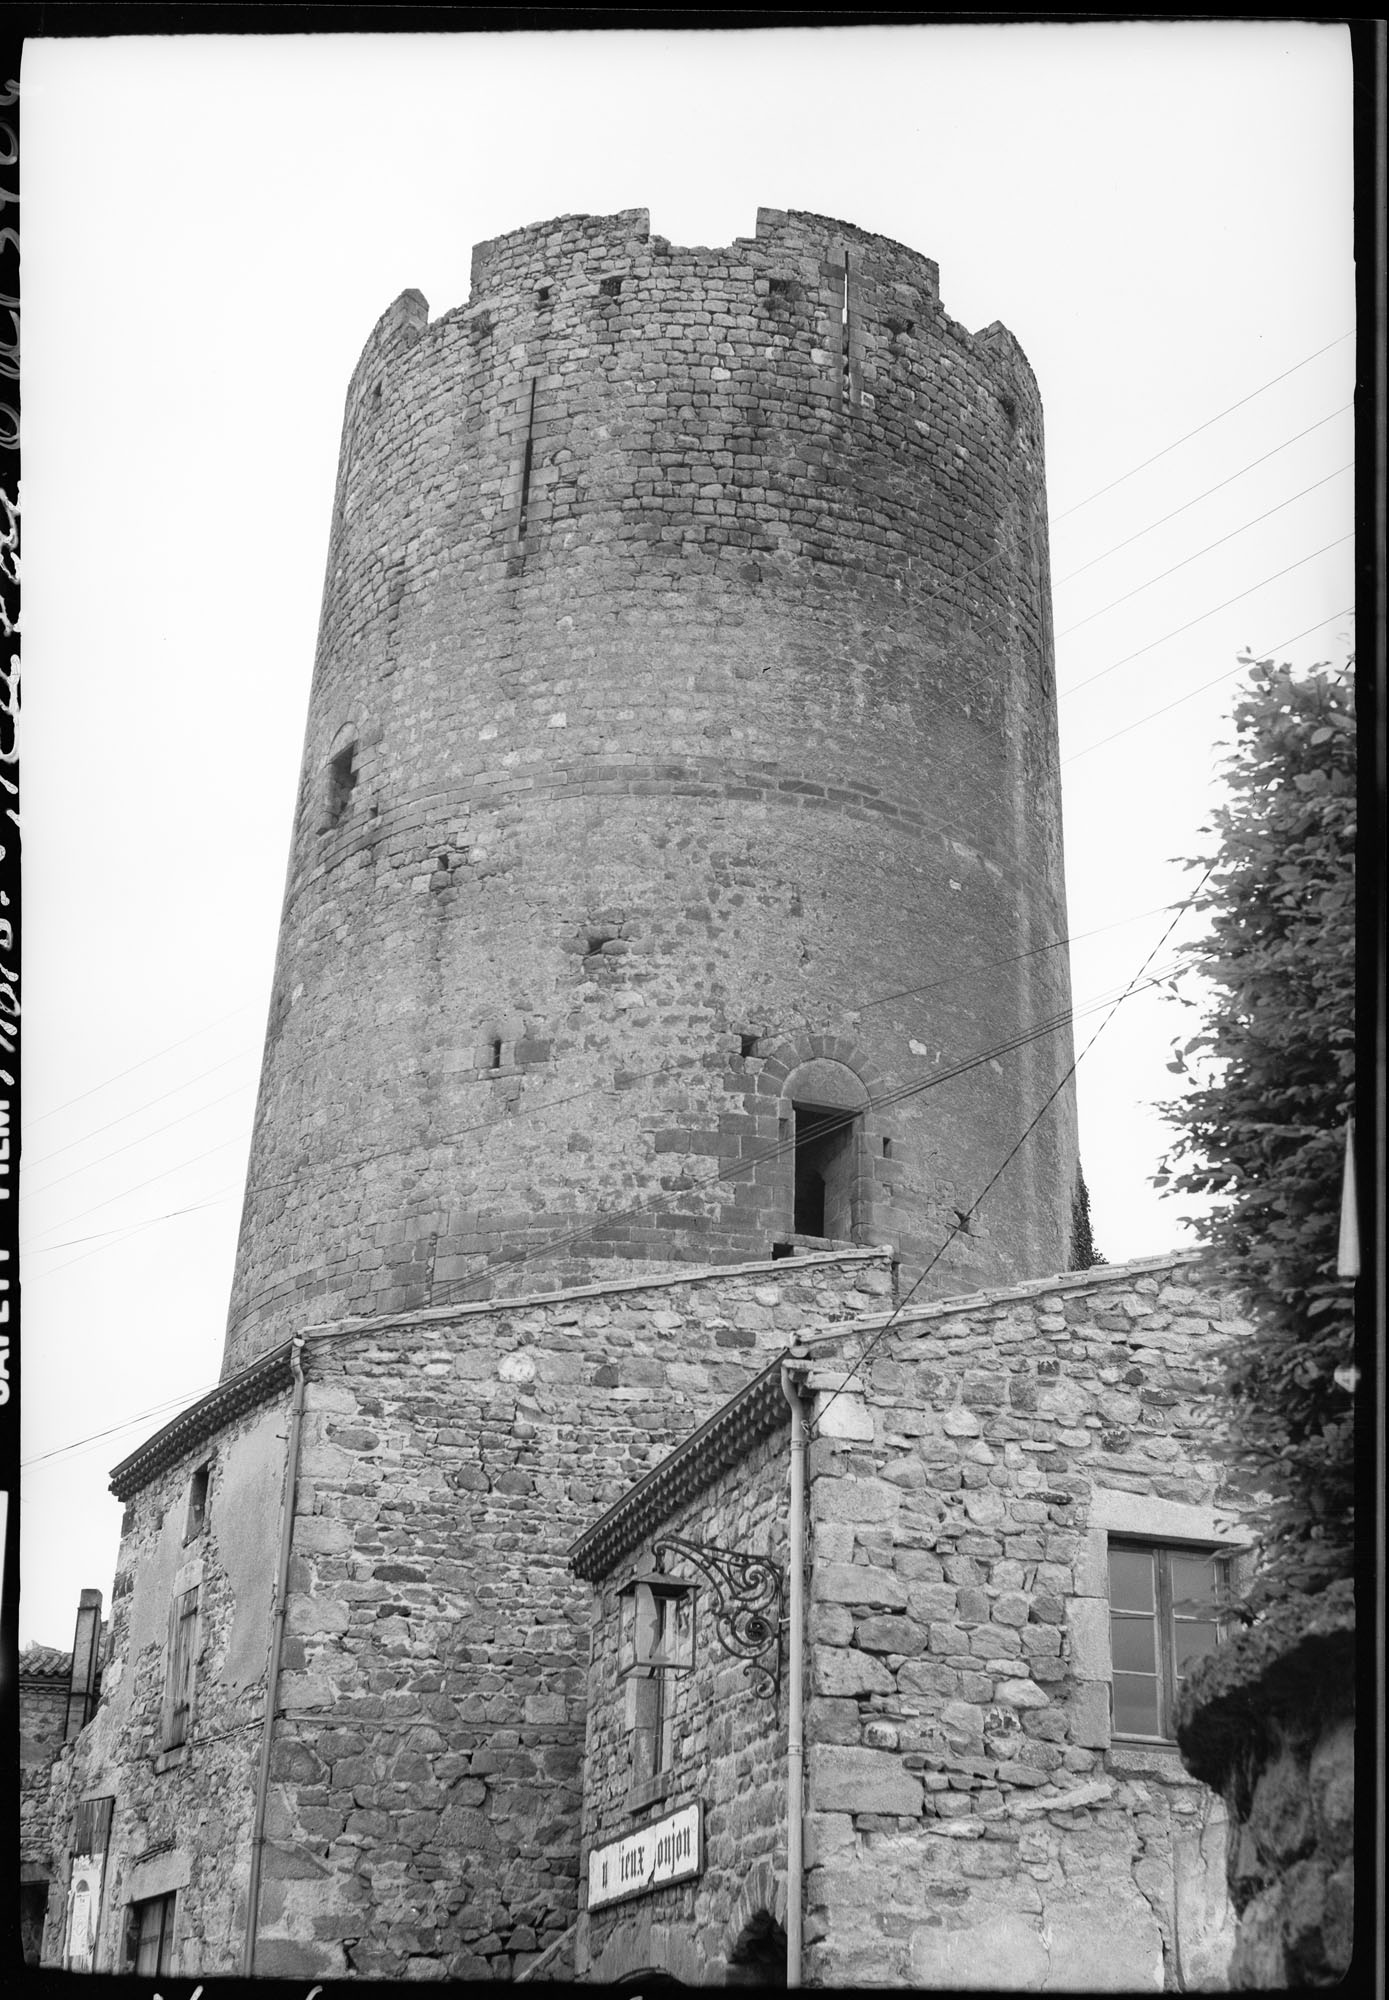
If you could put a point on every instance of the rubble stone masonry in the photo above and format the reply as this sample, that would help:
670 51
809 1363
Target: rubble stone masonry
971 1819
682 743
424 1807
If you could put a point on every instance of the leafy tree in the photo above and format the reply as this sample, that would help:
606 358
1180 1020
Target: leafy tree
1262 1128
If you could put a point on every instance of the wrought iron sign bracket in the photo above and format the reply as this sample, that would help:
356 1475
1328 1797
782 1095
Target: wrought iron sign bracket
747 1607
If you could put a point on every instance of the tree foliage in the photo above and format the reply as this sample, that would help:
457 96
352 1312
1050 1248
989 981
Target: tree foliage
1262 1127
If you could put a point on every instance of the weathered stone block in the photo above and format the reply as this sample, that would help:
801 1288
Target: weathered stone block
858 1583
846 1671
861 1781
889 1634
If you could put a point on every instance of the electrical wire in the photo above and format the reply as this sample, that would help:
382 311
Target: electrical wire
144 1062
513 1261
144 1138
113 1430
1162 575
1229 480
1206 686
1188 435
146 1104
1139 983
1240 595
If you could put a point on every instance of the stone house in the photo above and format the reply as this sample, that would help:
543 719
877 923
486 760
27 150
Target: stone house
57 1693
415 1808
1018 1523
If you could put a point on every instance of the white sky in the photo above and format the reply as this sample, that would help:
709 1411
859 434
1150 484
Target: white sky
211 226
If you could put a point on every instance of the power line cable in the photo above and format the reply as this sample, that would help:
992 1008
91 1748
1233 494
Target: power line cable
1186 505
143 1139
117 1236
1188 435
961 1226
1201 616
145 1104
113 1430
1205 686
915 1087
896 1095
1162 575
237 1138
143 1063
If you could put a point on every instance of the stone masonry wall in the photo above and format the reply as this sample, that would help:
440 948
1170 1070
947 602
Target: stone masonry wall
182 1818
1268 1722
425 1805
43 1708
970 1820
729 1754
691 645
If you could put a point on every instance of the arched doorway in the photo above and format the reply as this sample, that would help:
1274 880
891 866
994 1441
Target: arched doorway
758 1957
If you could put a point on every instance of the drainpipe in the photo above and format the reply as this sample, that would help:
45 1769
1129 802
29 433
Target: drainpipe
272 1671
795 1726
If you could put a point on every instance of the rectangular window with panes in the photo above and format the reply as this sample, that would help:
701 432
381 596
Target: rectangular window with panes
1167 1609
152 1935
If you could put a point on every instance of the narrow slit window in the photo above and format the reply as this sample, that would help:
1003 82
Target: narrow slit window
526 463
494 1053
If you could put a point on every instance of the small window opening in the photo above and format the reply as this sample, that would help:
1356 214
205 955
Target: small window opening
783 1250
611 288
444 863
342 779
747 1045
198 1502
824 1170
783 288
887 1149
542 297
494 1053
150 1937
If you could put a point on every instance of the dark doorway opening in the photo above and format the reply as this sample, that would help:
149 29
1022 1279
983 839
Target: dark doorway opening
825 1147
758 1957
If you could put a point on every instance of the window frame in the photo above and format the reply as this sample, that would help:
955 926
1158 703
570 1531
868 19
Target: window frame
1164 1620
184 1614
199 1502
166 1907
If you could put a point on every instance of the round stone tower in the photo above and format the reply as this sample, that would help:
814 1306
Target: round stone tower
676 872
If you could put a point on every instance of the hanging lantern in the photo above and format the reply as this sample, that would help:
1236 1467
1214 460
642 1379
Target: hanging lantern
657 1634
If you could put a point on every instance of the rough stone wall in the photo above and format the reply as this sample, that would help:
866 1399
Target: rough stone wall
1269 1723
425 1805
692 646
970 1822
729 1754
182 1818
43 1707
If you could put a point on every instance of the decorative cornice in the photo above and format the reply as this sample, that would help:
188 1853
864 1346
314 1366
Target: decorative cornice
758 1409
256 1384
